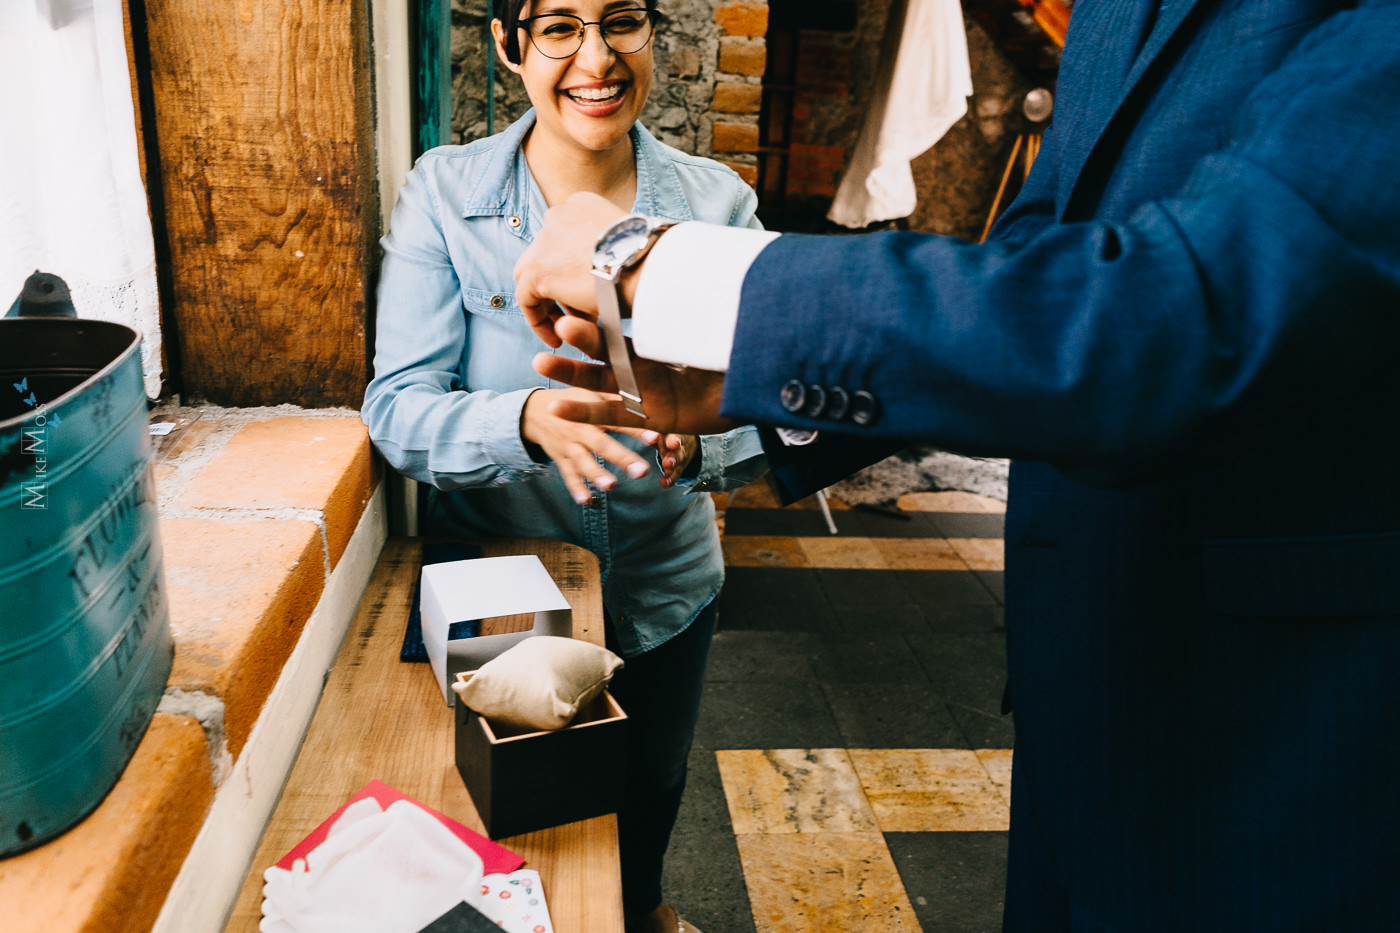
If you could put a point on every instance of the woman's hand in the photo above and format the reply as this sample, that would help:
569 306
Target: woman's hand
573 446
675 451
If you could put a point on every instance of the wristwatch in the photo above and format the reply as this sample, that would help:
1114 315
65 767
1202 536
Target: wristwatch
620 247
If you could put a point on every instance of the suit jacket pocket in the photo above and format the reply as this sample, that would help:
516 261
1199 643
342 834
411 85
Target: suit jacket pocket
1337 576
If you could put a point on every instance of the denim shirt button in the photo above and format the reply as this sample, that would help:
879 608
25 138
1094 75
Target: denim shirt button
513 220
497 301
594 501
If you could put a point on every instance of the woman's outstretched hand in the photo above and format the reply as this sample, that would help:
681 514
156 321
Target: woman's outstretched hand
573 446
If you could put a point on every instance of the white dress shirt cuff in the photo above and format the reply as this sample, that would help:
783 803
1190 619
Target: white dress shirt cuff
687 301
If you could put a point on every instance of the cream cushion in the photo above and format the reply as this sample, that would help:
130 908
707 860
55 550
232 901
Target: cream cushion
539 683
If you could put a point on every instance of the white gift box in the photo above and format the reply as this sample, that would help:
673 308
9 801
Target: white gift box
485 588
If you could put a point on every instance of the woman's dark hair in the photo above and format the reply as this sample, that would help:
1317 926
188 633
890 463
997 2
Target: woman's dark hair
508 12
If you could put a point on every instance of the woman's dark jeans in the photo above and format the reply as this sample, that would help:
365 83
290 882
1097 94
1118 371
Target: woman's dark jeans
660 693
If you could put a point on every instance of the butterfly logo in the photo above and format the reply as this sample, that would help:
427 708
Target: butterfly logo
55 419
31 400
22 386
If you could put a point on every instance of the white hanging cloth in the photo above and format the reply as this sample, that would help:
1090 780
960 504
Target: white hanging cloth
71 197
920 92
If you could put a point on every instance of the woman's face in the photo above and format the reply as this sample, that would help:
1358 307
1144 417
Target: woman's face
590 99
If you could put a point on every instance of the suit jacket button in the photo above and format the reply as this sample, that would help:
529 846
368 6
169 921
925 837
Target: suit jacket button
865 409
816 402
793 396
838 403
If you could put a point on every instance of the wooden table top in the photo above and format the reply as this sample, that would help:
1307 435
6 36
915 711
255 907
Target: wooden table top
382 719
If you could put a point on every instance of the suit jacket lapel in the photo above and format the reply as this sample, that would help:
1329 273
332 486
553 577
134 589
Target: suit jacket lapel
1123 57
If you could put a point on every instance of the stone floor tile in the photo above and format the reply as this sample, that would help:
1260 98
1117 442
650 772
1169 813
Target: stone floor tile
930 790
968 524
317 463
240 592
981 729
964 618
111 872
880 715
703 807
956 881
762 551
938 588
869 658
994 582
880 620
966 669
824 883
796 523
785 714
865 587
847 553
761 657
919 554
950 501
703 880
997 761
775 599
980 553
793 790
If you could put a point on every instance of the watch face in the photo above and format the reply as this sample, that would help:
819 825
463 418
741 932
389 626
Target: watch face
622 240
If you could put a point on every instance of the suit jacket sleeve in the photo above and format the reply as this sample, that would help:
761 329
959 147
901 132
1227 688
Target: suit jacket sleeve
1262 290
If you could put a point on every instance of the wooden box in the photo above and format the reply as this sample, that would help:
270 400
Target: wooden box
523 781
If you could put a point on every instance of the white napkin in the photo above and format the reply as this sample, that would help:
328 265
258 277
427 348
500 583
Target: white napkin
379 871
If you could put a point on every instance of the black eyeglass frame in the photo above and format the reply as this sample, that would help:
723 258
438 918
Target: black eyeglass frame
654 16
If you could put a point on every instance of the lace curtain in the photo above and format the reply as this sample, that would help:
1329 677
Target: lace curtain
71 197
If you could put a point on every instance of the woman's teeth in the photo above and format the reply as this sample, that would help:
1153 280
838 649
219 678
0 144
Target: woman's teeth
595 95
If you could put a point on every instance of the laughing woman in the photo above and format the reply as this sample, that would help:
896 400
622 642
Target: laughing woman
454 401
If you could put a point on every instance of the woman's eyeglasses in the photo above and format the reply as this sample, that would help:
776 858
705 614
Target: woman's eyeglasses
560 35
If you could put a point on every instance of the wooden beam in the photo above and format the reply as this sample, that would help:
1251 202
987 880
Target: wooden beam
267 167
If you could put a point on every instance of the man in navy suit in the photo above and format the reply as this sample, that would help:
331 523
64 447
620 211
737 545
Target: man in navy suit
1186 331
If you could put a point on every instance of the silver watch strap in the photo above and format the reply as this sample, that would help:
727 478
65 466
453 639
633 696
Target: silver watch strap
619 357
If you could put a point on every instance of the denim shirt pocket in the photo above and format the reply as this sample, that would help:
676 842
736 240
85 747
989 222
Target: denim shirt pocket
500 345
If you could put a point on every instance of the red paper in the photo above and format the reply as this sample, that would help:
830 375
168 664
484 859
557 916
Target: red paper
494 858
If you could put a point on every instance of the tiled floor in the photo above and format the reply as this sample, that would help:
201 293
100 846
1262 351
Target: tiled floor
851 769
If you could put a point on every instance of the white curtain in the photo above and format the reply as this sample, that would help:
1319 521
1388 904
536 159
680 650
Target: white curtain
921 91
71 198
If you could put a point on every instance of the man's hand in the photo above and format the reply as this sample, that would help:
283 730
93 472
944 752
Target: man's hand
676 401
556 272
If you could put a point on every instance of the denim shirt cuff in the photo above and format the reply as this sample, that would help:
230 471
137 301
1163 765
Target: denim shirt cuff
502 441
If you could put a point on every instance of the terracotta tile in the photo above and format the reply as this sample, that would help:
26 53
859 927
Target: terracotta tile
824 883
762 551
111 872
321 464
794 790
949 502
757 495
843 553
981 553
761 496
930 790
240 593
919 554
997 761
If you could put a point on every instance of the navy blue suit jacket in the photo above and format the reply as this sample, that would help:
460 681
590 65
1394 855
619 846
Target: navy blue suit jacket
1186 331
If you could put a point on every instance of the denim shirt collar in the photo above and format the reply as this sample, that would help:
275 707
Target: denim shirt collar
505 186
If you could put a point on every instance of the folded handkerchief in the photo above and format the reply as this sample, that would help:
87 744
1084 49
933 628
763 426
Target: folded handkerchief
392 870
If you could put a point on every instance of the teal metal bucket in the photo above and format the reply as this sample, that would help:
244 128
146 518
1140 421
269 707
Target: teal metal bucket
85 647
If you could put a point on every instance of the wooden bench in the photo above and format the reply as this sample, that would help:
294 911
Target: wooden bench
382 719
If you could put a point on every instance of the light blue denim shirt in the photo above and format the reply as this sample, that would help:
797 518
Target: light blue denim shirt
452 372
